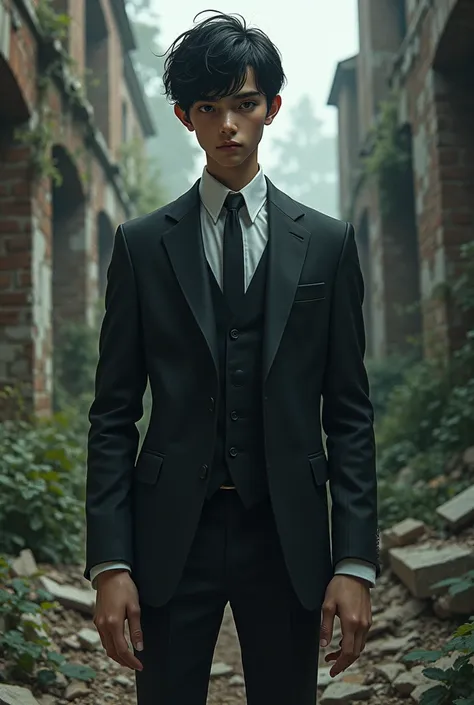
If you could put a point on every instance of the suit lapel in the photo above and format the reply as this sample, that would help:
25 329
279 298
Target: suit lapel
183 242
288 243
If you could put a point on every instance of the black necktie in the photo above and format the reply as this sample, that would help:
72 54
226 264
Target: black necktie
233 251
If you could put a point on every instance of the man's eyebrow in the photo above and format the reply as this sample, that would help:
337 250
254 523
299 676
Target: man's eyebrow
247 94
237 96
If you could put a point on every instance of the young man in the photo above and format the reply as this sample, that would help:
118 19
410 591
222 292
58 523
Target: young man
243 308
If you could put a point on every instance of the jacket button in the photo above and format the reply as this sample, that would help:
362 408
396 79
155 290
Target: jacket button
234 333
204 471
238 378
233 452
234 415
211 404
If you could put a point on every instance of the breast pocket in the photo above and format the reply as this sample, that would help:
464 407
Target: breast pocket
310 292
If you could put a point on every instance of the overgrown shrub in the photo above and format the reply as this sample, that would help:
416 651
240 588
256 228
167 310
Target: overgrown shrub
25 645
42 480
384 376
456 682
75 362
429 417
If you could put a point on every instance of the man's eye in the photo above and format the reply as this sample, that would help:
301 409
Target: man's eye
248 105
203 108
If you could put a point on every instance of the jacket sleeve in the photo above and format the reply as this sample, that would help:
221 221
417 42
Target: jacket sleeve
347 418
118 404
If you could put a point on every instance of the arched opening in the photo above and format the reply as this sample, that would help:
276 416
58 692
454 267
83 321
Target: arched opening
402 260
69 256
105 243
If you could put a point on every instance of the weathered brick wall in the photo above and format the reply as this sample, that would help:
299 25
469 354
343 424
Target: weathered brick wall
437 99
16 231
414 252
49 249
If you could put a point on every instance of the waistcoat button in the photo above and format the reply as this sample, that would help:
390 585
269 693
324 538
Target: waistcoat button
234 334
204 471
233 452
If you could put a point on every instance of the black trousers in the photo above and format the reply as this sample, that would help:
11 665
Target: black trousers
235 558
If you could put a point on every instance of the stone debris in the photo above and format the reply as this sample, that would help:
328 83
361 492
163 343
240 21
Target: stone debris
76 690
89 638
24 566
389 671
345 693
419 568
72 598
221 669
15 695
458 512
404 533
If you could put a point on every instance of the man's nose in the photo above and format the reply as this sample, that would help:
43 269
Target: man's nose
228 126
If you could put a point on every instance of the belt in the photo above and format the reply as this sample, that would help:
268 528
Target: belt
227 487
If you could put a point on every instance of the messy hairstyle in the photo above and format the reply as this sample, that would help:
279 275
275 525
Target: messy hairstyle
211 61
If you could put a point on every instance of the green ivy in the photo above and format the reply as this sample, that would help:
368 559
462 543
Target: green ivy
42 489
390 157
456 683
54 25
25 645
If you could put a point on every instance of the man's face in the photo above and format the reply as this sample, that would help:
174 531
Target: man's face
229 129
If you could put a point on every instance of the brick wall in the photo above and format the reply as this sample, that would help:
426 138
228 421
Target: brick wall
49 249
437 99
415 252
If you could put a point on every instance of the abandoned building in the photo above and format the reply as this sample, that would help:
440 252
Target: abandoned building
70 97
409 93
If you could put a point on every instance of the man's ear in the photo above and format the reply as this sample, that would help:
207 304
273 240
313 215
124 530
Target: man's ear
274 109
182 117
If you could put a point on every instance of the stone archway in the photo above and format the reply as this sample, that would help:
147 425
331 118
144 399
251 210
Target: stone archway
69 243
16 330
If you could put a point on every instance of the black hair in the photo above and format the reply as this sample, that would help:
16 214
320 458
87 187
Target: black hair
212 59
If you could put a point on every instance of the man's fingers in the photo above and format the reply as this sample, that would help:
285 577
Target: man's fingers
109 647
352 644
134 626
327 625
123 652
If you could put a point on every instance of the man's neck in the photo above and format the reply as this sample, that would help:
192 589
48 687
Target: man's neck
235 178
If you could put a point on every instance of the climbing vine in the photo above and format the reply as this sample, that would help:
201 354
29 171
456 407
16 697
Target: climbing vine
39 133
390 158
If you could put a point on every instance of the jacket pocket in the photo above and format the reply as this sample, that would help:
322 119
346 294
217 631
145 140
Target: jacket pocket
148 467
319 467
310 292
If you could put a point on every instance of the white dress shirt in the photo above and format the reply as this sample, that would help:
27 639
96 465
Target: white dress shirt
254 223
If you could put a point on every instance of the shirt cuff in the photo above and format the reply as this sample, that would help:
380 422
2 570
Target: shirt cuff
357 568
102 567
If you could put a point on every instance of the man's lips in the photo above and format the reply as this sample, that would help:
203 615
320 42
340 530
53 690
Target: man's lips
229 145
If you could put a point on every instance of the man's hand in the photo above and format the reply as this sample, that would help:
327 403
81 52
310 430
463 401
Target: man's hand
349 598
117 600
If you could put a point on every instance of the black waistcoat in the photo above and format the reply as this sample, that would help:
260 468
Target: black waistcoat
239 455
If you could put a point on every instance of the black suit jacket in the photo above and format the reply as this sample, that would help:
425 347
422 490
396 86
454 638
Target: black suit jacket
159 323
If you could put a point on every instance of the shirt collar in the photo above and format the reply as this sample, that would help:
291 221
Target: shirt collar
213 194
